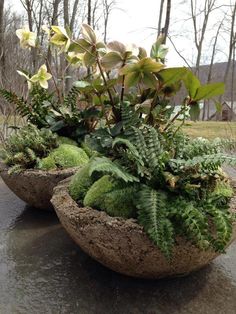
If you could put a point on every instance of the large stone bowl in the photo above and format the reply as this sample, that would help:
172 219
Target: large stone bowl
122 245
35 187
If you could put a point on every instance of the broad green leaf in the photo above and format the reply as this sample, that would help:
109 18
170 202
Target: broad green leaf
148 65
88 34
210 90
112 60
194 111
132 78
117 46
155 47
192 84
150 80
89 59
142 53
159 51
80 46
172 75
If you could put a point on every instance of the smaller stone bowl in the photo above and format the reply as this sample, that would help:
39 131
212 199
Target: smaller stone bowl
35 187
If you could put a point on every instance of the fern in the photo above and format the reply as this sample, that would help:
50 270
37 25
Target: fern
105 165
72 97
24 148
153 217
223 225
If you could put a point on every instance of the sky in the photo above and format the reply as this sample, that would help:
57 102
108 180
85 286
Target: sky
134 21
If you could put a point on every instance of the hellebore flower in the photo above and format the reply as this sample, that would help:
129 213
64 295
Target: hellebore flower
60 38
41 77
27 38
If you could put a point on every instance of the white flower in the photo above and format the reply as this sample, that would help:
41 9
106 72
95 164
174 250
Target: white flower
27 38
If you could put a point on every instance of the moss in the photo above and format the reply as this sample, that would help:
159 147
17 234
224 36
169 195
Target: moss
47 163
66 140
120 202
80 183
223 189
66 156
108 195
95 195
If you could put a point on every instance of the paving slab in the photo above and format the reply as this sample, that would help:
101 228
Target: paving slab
43 271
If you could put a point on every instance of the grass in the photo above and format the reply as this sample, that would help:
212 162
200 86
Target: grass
211 129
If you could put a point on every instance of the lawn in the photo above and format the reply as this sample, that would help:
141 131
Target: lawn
211 129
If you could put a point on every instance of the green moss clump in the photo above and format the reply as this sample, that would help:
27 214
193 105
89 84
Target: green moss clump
115 199
66 140
80 183
95 195
65 156
121 202
47 163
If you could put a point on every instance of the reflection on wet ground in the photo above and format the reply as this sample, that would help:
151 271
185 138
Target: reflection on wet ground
43 271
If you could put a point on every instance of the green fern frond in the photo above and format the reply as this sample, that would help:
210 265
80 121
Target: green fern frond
72 97
105 165
194 223
223 225
153 216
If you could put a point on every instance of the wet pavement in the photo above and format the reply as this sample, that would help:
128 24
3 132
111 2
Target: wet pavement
43 271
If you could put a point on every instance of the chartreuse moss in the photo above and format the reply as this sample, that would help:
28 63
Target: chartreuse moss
65 156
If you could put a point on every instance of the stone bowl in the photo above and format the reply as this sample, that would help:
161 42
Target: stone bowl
122 245
35 187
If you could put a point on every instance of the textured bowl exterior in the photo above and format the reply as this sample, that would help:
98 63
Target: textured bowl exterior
122 245
35 187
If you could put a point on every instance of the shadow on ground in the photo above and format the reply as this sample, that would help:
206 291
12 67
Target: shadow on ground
43 271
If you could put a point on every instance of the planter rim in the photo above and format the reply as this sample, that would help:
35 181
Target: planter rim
4 167
68 204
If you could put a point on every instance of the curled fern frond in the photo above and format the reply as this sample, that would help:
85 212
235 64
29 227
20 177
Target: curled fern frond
105 165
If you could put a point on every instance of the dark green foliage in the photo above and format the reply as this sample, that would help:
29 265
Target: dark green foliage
36 110
185 191
25 148
153 216
66 140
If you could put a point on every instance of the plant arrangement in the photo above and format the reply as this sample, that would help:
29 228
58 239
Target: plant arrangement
147 168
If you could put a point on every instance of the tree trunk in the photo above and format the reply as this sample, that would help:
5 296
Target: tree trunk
2 53
89 17
160 18
167 21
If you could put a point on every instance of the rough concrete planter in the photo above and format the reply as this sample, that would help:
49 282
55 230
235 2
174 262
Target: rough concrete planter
121 244
35 187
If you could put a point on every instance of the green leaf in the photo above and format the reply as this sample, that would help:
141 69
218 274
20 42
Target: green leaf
88 34
148 65
209 90
172 75
81 84
89 59
79 46
192 84
142 53
132 78
150 80
112 60
194 112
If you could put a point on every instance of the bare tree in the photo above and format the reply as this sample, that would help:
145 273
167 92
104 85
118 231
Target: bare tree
2 52
199 27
